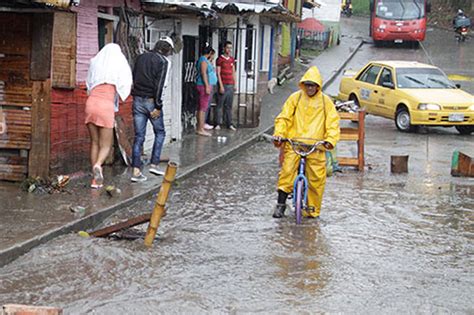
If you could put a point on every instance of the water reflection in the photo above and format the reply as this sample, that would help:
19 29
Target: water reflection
383 243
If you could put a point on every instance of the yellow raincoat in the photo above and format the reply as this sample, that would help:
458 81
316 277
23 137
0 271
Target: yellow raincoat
307 117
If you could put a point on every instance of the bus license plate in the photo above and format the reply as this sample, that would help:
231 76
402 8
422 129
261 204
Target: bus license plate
398 41
456 117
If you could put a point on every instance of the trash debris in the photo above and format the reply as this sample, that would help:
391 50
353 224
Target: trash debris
347 107
112 191
41 185
77 209
83 234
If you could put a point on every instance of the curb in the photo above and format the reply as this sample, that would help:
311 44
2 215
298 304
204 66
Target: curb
94 219
338 70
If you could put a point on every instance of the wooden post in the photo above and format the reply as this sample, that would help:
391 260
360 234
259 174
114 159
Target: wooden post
161 199
18 309
360 142
462 165
399 163
39 155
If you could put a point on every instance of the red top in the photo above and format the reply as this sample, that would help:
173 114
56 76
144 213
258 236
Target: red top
226 64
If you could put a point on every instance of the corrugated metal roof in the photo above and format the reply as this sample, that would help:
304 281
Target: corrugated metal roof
272 7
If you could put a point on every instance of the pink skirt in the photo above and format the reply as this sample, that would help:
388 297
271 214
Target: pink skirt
100 106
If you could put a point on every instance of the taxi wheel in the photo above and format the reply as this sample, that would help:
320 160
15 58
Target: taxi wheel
402 120
465 130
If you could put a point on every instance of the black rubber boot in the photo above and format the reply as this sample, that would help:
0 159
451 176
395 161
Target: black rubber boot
279 211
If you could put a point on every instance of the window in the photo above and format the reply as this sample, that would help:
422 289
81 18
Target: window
370 74
385 77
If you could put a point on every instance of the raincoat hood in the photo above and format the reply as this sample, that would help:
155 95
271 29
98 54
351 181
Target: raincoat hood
312 75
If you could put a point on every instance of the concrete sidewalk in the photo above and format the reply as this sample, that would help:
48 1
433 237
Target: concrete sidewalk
29 219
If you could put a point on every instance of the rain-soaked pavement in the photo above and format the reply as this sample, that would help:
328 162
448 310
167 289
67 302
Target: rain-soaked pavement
384 244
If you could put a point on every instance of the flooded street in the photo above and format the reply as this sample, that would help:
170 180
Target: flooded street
385 243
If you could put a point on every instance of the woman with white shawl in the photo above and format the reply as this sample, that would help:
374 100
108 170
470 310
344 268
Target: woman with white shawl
109 77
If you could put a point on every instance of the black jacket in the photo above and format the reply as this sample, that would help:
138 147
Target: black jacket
149 75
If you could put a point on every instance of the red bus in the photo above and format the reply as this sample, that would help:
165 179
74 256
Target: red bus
398 20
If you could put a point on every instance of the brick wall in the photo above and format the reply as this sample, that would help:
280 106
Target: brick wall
70 143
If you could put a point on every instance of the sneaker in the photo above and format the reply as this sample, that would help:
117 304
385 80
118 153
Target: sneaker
95 185
217 127
154 170
139 178
232 128
208 127
98 176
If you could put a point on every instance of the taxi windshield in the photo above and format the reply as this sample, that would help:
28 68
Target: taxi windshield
400 9
422 78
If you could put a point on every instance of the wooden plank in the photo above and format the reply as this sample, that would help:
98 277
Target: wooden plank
124 145
42 37
10 168
19 309
14 177
122 225
13 160
349 134
8 144
348 116
39 155
348 161
64 50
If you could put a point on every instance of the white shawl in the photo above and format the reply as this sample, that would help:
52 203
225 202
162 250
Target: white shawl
110 66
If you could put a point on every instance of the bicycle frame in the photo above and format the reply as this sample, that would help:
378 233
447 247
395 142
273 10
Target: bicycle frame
300 198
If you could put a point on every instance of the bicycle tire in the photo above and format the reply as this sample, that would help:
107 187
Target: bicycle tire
299 201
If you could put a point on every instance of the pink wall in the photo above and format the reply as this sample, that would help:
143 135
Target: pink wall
87 31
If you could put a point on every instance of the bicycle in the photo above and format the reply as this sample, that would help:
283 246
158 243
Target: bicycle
300 186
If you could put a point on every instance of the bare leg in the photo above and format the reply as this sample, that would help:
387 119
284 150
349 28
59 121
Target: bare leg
94 134
105 144
200 126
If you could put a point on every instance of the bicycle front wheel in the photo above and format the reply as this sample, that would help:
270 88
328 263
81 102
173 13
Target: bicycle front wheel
299 196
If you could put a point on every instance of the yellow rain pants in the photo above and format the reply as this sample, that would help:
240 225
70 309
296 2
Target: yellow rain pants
315 118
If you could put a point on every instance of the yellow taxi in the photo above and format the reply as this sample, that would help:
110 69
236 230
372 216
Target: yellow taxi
412 94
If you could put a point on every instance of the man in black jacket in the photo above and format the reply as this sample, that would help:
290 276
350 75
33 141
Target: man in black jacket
149 78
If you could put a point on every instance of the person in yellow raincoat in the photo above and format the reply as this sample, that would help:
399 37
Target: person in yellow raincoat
307 113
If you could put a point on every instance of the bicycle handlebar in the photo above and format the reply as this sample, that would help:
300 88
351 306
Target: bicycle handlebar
295 144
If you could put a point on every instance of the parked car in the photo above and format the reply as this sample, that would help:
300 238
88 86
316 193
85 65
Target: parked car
410 93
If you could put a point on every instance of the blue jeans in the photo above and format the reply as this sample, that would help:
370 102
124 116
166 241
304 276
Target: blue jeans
142 107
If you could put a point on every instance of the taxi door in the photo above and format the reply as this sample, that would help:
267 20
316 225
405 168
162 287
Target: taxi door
385 93
367 89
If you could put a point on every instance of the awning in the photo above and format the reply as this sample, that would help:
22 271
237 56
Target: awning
311 25
272 10
179 9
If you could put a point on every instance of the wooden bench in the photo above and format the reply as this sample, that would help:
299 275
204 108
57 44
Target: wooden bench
354 134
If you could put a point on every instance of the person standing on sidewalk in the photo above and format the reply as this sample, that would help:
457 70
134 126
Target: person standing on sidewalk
205 82
109 76
149 78
306 114
226 77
